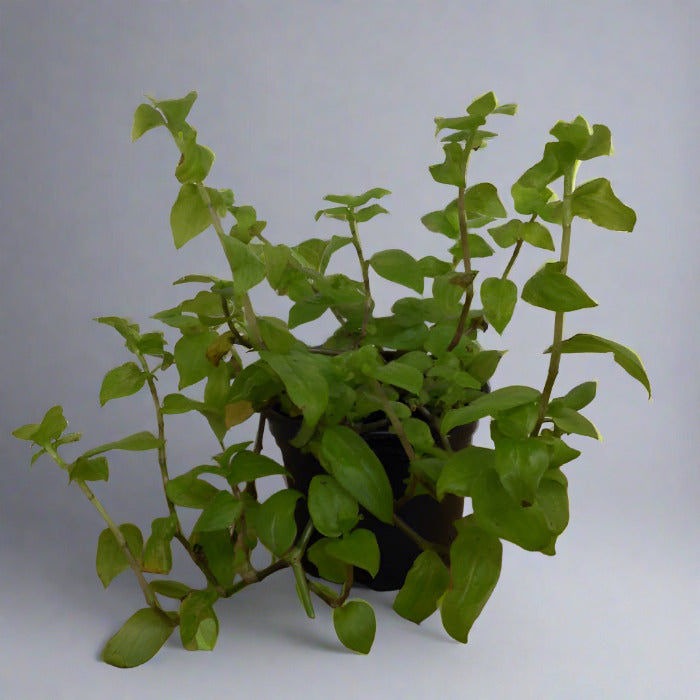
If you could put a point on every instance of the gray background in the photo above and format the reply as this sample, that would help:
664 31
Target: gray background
299 99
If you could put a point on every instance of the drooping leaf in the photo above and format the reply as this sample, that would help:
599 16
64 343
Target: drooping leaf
398 266
170 589
145 118
139 639
596 201
333 510
305 385
549 288
462 468
498 296
624 356
189 215
111 559
157 554
488 405
96 469
122 381
348 458
274 521
248 270
534 527
199 626
580 396
569 420
358 548
520 465
221 512
425 584
138 442
196 160
475 566
355 625
191 357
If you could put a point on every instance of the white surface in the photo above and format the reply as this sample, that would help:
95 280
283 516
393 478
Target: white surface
298 100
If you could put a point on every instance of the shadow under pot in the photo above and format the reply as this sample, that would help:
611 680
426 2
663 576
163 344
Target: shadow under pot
433 520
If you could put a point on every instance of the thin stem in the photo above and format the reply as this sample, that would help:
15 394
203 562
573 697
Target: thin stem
250 317
513 258
466 254
424 544
365 275
555 356
148 593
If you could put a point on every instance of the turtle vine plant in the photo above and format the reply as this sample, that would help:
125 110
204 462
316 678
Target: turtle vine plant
419 369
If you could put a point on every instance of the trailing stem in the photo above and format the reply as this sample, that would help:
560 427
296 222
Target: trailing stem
114 529
555 356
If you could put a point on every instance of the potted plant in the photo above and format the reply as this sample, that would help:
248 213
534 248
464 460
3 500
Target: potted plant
374 424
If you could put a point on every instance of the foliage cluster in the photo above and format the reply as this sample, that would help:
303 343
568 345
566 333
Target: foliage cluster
420 369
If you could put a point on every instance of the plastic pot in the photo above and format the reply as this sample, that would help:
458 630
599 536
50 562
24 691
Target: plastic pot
431 519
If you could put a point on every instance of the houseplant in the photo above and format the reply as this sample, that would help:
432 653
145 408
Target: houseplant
418 377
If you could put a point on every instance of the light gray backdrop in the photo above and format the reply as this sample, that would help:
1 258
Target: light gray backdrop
299 99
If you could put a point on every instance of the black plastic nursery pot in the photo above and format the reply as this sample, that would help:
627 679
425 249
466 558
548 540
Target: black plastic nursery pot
433 520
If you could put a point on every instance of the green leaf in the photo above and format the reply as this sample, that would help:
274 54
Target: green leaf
190 492
510 109
145 118
483 106
84 469
580 396
138 442
219 552
498 297
157 554
191 357
624 356
507 234
276 335
475 566
536 235
170 589
346 456
358 548
199 626
489 405
418 434
575 133
570 421
335 244
467 123
305 384
534 528
195 162
462 469
425 584
599 143
274 521
520 465
333 510
596 201
518 422
355 625
276 259
369 213
139 639
549 288
400 375
122 381
221 512
176 110
328 566
451 172
248 270
354 201
189 215
559 452
483 199
111 559
398 266
52 425
248 466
